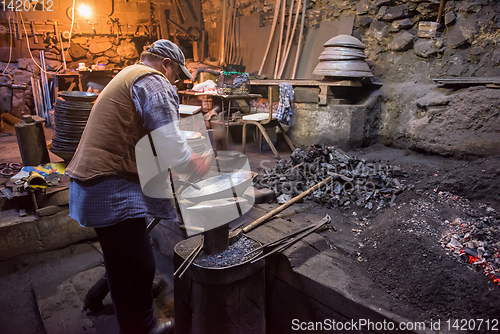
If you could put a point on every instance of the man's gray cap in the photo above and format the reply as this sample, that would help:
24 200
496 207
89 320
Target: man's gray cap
167 49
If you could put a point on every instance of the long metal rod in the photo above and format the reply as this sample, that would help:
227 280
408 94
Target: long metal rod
153 223
285 58
228 32
200 247
288 28
62 53
34 95
304 6
233 38
46 90
282 27
223 32
323 221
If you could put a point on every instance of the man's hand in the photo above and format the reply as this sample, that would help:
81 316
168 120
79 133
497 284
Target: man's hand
200 165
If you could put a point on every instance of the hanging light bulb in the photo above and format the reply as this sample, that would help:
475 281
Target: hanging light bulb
84 10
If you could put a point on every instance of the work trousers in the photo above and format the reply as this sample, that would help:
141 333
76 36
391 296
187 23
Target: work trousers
130 270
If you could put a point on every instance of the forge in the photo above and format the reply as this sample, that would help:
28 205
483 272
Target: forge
220 293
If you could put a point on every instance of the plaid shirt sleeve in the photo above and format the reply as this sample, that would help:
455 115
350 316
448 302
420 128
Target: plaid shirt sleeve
156 101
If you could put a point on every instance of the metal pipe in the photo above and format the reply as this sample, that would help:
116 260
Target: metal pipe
304 6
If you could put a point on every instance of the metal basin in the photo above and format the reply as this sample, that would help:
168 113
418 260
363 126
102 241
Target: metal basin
220 186
346 41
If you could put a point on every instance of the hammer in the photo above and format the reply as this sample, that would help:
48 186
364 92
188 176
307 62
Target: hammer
235 233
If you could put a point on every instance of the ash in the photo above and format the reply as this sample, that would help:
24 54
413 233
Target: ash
234 255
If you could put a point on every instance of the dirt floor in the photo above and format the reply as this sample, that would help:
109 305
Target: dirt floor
404 248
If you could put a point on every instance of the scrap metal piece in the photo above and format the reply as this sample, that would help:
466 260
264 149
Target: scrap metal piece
219 186
326 220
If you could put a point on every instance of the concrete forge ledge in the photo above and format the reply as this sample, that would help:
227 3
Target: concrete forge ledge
30 235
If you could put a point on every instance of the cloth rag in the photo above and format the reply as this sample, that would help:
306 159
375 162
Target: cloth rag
285 105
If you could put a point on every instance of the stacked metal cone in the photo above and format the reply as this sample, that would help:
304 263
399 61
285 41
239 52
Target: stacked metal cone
343 56
70 117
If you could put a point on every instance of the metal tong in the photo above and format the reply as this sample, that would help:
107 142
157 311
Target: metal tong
189 260
288 240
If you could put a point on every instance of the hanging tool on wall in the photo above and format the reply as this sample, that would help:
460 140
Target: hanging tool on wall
177 31
33 32
142 27
288 43
115 22
297 55
17 28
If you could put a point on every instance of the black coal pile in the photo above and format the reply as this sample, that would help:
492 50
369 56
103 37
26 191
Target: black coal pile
476 241
235 254
370 185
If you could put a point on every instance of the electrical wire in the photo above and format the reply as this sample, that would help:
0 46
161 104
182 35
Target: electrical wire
10 47
29 48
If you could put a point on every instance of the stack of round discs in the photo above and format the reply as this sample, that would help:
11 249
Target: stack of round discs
343 57
70 118
195 140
